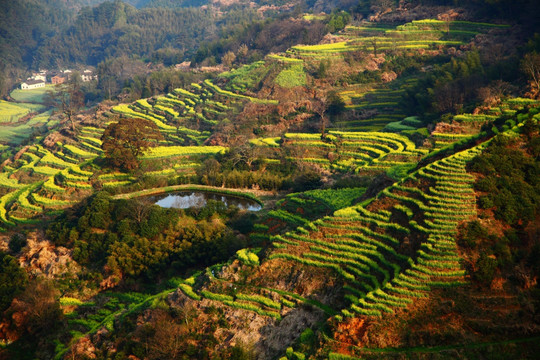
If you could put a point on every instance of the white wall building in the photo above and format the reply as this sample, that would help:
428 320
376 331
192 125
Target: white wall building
41 77
88 75
32 84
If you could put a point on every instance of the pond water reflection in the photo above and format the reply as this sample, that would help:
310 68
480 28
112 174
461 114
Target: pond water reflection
198 199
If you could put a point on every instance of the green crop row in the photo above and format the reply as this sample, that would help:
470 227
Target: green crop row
22 199
46 170
5 201
50 185
314 263
259 299
220 91
180 91
171 151
69 301
50 159
216 297
280 239
188 290
116 183
340 244
9 182
288 217
252 307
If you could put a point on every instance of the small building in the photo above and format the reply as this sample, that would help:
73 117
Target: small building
32 84
58 79
87 75
36 76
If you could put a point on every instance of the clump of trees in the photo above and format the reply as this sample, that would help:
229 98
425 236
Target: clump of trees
508 181
132 238
126 140
29 311
13 280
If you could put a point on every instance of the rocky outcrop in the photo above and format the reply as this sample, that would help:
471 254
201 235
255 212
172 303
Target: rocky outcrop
41 257
267 336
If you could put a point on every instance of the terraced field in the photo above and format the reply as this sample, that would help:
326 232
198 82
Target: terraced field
383 101
419 34
187 116
470 124
361 245
55 179
382 253
349 151
19 120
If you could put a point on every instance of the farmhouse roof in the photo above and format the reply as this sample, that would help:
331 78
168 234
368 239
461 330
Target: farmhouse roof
33 82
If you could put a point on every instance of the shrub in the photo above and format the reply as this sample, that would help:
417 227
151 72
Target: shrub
247 257
485 269
17 242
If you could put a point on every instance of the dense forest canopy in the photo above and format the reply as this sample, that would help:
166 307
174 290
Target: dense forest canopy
59 34
116 29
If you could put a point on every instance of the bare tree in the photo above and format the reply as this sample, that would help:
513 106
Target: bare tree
140 208
243 52
531 67
68 98
375 46
320 107
228 58
245 153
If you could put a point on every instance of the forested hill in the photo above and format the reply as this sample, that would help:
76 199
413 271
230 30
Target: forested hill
24 25
116 29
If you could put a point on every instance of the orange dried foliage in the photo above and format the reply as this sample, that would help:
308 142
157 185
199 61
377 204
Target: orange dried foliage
351 331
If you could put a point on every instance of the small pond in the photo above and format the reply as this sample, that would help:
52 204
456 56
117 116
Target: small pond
198 199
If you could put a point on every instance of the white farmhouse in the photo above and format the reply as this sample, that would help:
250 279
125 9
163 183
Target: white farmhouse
32 84
88 75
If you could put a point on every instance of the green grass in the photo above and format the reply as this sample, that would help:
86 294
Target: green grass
17 133
11 112
292 76
31 96
247 76
311 17
335 198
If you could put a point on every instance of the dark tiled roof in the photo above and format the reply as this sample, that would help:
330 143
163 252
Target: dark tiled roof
33 82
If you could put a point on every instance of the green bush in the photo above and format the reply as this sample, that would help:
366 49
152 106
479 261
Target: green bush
486 267
13 279
17 242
